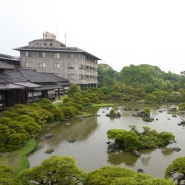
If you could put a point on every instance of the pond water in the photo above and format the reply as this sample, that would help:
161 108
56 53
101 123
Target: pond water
90 148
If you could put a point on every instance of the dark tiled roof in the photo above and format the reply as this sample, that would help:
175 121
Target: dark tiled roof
49 87
31 76
56 49
38 77
6 78
8 82
56 77
4 65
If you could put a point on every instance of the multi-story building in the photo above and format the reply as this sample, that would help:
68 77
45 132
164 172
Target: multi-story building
51 56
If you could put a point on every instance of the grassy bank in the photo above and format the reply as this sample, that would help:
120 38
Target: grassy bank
17 159
103 105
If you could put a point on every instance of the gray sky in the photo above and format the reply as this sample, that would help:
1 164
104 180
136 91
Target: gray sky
120 32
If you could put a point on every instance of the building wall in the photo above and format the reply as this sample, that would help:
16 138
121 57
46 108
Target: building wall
83 67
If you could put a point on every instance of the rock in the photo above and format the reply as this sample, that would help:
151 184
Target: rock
47 136
140 170
72 140
49 151
181 123
67 124
136 153
176 149
116 115
148 119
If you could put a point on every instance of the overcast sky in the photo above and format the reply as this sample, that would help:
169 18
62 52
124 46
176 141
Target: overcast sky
119 32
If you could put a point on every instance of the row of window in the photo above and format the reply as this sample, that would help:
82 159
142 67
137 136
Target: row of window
82 77
57 55
57 66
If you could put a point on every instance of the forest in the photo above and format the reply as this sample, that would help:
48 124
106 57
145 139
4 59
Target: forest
145 83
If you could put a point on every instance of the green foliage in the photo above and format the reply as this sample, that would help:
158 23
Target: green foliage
112 112
146 111
20 122
28 123
16 140
106 75
107 174
58 114
72 90
7 176
182 106
141 179
140 82
69 112
177 167
54 170
132 140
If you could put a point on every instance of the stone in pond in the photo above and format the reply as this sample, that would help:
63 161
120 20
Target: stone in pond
49 151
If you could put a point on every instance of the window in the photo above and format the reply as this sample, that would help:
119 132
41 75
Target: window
51 91
42 64
28 64
80 77
28 54
42 54
81 67
71 76
56 55
70 66
45 44
56 65
51 44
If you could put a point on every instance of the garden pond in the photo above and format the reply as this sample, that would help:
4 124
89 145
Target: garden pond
85 140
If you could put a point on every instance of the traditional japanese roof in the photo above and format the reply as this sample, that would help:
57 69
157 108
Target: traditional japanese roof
4 65
8 82
58 78
32 76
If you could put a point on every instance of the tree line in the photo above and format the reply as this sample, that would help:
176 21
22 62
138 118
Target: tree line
141 83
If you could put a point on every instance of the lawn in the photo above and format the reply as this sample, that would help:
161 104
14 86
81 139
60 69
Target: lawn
17 159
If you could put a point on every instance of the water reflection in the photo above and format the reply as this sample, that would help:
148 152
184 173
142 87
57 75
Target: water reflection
167 151
119 157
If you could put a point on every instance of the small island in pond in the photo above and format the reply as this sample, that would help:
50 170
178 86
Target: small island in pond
134 140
